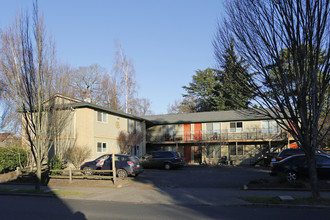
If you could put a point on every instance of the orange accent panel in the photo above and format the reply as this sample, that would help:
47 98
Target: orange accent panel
187 154
293 145
198 131
187 132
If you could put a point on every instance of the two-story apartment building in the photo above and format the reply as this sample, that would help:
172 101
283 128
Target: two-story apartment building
95 127
242 136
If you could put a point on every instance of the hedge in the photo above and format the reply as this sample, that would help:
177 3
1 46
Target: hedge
12 157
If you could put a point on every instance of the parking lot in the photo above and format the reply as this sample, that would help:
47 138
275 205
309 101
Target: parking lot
203 177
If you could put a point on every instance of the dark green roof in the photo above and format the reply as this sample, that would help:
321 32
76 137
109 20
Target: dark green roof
104 109
199 117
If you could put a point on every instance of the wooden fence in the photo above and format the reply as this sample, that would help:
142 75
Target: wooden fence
70 174
81 174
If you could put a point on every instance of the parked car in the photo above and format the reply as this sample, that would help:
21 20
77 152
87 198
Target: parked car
296 166
163 159
293 151
125 165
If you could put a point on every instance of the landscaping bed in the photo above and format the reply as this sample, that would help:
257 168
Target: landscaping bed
89 182
29 178
295 200
278 184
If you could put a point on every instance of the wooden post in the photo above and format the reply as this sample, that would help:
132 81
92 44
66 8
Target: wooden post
114 173
70 175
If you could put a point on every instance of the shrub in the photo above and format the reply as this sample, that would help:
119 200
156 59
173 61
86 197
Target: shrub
77 155
56 164
12 157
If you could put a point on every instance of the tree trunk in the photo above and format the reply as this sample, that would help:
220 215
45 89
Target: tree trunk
313 179
38 176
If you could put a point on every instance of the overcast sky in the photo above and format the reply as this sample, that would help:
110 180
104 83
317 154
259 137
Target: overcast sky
167 40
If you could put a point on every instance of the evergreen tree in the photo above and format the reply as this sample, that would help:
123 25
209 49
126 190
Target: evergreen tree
230 80
217 90
202 88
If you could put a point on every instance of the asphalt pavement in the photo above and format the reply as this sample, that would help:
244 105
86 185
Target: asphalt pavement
145 190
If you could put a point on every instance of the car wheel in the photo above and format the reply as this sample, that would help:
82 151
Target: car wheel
121 173
167 166
291 176
88 171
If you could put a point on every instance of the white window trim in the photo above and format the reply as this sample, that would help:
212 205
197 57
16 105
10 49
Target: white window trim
104 117
103 150
269 127
236 129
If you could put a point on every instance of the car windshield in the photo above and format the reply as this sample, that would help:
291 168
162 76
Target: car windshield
319 151
104 157
134 158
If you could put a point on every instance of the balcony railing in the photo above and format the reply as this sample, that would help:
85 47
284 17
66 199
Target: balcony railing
223 135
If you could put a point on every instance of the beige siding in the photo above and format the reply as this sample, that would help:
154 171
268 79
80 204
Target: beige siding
108 132
248 125
85 129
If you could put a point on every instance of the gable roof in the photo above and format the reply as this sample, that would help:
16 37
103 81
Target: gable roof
199 117
65 98
75 103
107 110
4 136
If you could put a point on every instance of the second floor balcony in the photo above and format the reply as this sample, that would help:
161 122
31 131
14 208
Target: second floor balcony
215 136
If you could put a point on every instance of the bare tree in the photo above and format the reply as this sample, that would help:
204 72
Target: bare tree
126 140
27 65
125 68
77 155
141 107
287 44
110 93
64 76
87 81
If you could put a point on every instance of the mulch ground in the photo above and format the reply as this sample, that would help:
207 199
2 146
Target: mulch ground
53 182
324 185
11 178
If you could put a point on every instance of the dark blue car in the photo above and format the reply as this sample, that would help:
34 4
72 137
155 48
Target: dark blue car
163 159
126 165
296 166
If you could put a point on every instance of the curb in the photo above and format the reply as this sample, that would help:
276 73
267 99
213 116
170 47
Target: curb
247 187
28 194
263 205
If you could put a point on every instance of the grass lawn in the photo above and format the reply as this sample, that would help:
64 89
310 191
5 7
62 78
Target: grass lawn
42 191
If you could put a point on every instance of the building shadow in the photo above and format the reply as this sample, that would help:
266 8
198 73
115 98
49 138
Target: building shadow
194 186
20 200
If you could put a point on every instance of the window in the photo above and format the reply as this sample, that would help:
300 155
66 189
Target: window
102 147
213 130
269 127
131 125
209 129
232 149
168 132
101 116
236 126
237 149
138 126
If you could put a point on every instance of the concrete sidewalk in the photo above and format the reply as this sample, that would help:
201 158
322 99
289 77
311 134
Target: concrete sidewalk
149 194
